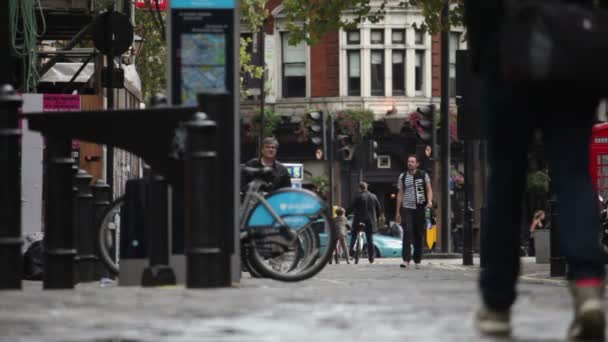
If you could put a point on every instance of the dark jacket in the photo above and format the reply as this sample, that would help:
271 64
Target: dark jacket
366 208
280 177
484 19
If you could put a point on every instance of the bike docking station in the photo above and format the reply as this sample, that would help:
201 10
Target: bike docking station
190 229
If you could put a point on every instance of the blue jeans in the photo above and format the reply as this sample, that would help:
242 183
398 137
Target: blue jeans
511 115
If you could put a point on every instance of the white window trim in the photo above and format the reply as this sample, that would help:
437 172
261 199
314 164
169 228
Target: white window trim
365 48
279 28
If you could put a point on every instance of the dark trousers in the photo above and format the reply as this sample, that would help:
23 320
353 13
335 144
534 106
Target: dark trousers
368 236
510 116
412 221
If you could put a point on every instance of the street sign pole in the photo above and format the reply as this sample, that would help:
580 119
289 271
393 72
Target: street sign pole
203 39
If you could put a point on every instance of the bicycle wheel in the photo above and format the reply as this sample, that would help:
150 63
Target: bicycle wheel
108 237
302 256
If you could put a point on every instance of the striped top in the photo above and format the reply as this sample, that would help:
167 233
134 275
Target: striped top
409 193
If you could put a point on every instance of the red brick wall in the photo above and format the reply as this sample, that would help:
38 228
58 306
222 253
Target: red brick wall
325 70
436 61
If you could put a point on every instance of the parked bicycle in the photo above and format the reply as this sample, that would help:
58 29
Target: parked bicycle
278 237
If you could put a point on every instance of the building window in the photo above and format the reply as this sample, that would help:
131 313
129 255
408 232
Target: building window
398 36
366 53
377 72
418 37
353 37
398 72
377 37
419 72
454 46
354 73
293 68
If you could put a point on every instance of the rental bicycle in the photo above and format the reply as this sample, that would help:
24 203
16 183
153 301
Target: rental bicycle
286 235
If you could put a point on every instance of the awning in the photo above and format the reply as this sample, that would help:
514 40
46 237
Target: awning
63 73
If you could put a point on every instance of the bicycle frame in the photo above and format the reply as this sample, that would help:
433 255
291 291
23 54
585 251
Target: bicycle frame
253 197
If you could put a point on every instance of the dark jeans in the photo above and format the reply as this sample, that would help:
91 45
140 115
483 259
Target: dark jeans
510 116
412 221
369 237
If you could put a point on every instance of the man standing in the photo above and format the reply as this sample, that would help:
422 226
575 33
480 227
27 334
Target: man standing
280 176
566 128
366 209
415 195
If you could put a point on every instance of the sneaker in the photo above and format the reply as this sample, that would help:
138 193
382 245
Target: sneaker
417 266
492 322
403 265
589 322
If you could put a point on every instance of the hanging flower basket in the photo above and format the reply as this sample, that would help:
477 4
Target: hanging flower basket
356 123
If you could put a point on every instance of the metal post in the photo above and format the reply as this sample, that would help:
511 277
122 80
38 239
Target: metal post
10 191
207 256
558 262
158 272
101 200
85 230
59 228
467 246
445 132
483 160
330 157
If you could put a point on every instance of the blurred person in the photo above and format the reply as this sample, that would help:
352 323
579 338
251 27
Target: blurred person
566 128
342 227
366 210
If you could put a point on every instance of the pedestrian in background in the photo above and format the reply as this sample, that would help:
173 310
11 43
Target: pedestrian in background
415 195
342 227
564 114
366 210
537 223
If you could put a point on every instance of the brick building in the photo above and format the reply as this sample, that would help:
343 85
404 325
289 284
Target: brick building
390 67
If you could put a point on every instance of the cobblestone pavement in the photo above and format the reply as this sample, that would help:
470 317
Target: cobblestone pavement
377 302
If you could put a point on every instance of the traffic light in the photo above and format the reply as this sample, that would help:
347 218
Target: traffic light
424 129
346 148
318 130
372 151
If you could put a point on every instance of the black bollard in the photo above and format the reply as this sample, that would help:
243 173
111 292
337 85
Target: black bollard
101 200
221 108
10 191
59 228
205 260
158 273
86 259
558 262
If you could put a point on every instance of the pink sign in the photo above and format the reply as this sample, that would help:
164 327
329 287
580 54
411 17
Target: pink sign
60 103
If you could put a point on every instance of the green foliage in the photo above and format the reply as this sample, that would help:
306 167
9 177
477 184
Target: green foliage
151 63
310 20
538 182
354 122
271 122
321 184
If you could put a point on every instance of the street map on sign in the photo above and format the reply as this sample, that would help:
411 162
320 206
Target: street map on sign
203 60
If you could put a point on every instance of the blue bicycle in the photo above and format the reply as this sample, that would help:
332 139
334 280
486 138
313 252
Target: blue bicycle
278 237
